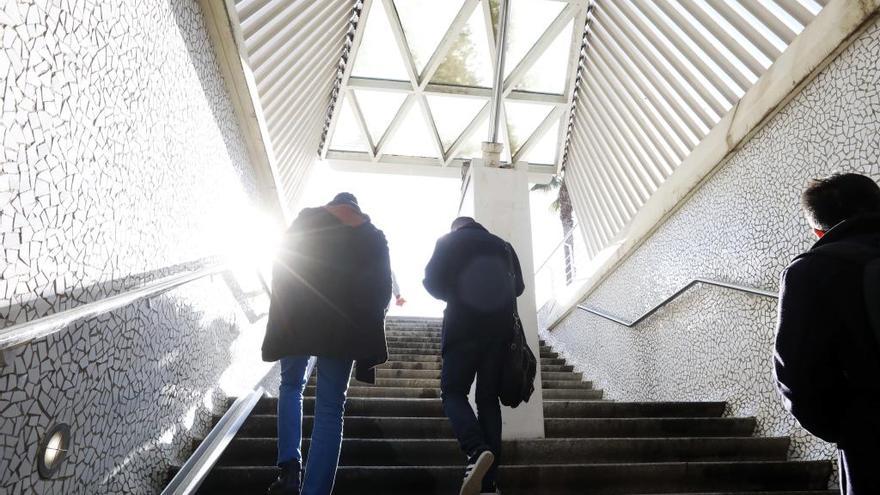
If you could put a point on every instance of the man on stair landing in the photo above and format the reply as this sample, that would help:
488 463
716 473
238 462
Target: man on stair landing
471 270
330 290
828 336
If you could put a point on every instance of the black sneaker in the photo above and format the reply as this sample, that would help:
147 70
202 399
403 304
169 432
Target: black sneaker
290 480
490 489
476 468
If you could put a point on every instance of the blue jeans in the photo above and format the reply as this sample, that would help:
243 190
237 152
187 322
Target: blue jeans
464 361
333 375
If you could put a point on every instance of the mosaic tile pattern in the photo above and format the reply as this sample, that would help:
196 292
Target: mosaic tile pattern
120 162
742 226
115 125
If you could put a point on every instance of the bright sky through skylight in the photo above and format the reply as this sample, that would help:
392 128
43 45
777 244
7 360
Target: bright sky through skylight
458 37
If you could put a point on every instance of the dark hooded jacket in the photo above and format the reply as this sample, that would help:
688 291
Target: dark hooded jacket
471 270
330 290
827 358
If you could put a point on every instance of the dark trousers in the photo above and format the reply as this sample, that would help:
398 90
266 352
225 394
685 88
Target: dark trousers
858 470
462 362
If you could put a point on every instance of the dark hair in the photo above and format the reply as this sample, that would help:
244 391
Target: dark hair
833 199
461 222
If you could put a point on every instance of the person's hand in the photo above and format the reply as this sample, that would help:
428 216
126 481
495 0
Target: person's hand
400 301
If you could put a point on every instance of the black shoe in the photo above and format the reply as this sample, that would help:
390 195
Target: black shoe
290 480
477 466
490 489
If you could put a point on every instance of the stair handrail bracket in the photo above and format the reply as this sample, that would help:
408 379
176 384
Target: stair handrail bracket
29 331
675 295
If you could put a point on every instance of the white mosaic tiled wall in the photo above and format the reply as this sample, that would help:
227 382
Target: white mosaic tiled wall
121 161
743 226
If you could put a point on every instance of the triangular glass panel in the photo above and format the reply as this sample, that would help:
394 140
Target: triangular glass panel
379 109
468 62
522 120
544 151
452 114
424 24
548 73
412 137
347 135
378 56
529 19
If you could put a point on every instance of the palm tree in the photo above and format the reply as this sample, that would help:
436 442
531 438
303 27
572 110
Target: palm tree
562 205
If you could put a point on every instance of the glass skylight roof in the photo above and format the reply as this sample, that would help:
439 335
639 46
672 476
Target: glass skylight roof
422 75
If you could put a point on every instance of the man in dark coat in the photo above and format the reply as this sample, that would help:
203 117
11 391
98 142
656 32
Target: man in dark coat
330 291
479 277
827 358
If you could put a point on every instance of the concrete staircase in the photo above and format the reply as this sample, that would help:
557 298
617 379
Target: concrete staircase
397 440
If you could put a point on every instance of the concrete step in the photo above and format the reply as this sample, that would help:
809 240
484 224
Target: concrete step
556 368
600 478
407 373
420 346
556 384
572 394
549 355
413 392
361 406
647 427
264 425
383 392
408 351
434 364
425 339
394 382
410 365
552 361
549 375
446 452
431 379
414 357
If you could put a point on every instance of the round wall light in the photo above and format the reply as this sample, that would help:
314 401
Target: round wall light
53 450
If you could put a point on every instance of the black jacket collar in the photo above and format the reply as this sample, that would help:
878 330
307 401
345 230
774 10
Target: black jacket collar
854 227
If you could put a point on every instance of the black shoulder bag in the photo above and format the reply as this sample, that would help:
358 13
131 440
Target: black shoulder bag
520 365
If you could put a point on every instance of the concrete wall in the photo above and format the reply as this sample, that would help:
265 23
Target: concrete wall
742 226
121 162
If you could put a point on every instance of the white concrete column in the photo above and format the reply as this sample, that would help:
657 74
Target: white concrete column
498 198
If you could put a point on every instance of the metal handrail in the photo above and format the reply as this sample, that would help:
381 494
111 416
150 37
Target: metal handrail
193 472
557 248
47 325
630 324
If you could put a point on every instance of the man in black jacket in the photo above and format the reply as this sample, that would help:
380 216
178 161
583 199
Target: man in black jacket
330 289
827 358
479 277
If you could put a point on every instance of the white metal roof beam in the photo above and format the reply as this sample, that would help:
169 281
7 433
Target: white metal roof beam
640 71
449 90
610 66
346 73
690 95
640 120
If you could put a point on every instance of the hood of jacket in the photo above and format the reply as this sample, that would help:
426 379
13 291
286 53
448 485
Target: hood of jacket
347 214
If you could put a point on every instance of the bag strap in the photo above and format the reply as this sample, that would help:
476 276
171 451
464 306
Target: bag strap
510 269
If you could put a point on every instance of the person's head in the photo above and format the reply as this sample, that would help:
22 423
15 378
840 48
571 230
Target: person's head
345 198
461 222
833 199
